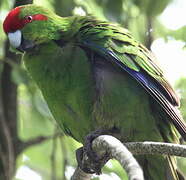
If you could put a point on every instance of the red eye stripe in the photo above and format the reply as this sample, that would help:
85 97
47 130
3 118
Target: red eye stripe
39 17
36 17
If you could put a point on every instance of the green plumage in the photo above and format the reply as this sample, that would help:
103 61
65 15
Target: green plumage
95 75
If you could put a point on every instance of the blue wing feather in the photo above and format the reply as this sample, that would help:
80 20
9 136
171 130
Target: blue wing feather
153 87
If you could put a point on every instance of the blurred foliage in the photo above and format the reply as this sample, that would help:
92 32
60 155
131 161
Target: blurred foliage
35 118
152 8
181 87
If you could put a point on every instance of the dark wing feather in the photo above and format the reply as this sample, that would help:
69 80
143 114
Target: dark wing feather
162 93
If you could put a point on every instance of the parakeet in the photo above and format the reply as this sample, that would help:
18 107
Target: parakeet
94 75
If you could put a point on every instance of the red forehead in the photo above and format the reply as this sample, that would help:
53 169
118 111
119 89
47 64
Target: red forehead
12 21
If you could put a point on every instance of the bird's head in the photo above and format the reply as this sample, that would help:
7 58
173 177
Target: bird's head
30 25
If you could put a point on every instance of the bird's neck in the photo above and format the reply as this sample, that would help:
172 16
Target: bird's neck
65 27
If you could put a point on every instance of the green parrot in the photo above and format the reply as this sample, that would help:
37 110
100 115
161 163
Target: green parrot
95 76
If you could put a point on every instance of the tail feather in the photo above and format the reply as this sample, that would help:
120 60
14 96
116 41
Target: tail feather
171 171
180 175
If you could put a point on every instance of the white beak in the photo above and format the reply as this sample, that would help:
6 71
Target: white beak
15 38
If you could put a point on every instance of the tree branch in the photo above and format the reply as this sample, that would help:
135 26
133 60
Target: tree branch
23 2
53 159
156 148
106 144
65 160
149 33
112 146
8 113
117 150
36 141
80 175
6 144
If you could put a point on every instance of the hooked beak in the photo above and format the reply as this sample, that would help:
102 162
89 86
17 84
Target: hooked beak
17 41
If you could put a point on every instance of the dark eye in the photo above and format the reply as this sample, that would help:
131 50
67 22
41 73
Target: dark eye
29 18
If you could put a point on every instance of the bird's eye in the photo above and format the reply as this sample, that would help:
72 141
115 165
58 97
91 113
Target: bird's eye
29 18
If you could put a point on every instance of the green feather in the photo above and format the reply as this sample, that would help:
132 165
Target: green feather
87 72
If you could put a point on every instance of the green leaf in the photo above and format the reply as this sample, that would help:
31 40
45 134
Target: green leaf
19 75
31 122
116 168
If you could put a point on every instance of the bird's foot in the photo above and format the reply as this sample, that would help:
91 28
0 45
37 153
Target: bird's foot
87 159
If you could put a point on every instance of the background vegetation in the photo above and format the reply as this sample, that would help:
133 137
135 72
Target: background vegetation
29 138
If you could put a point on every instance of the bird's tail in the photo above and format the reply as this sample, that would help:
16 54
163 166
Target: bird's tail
157 167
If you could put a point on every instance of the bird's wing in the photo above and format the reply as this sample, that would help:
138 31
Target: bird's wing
117 46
